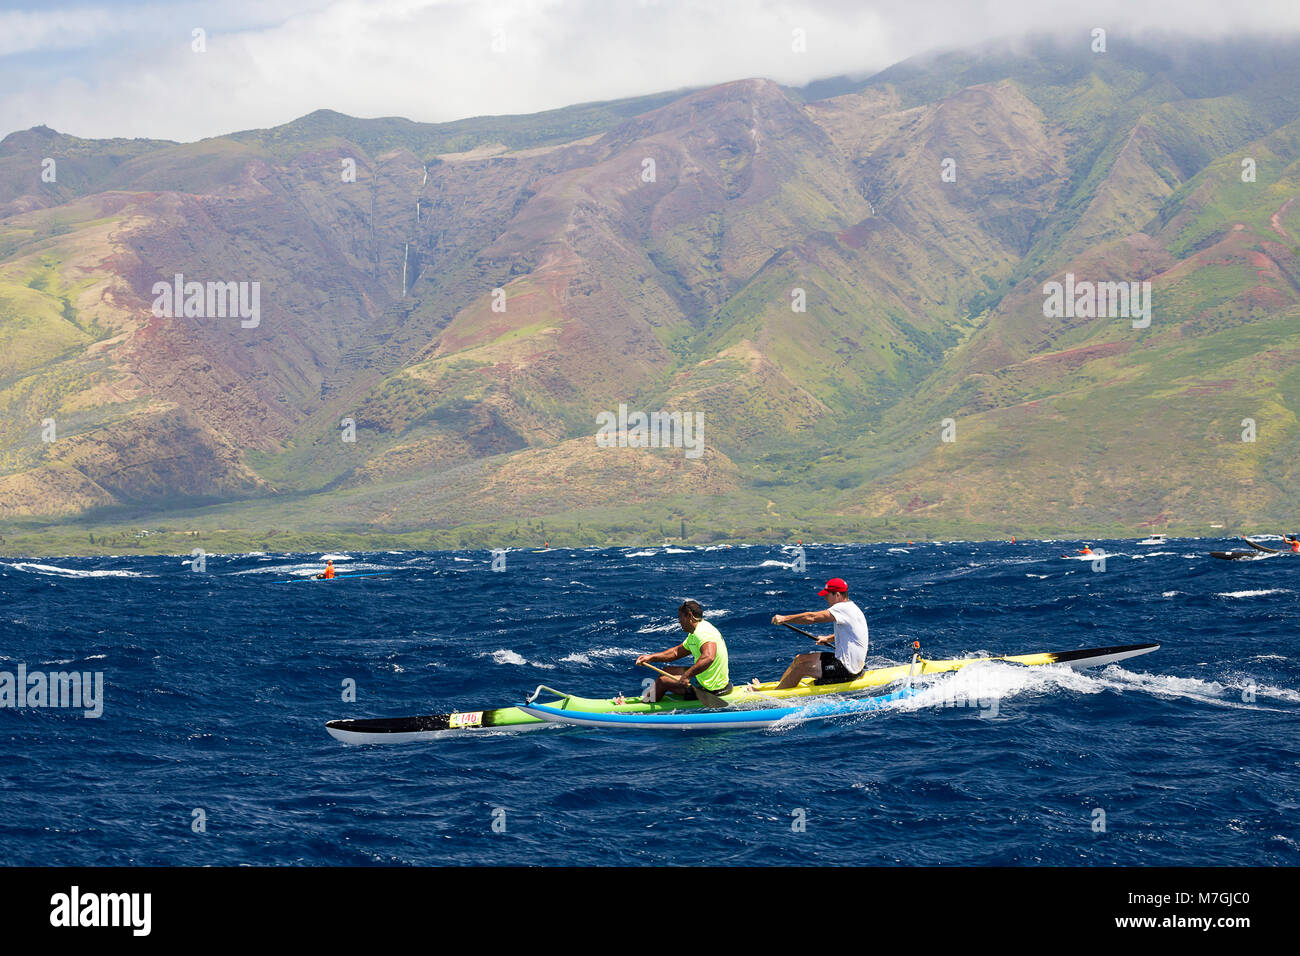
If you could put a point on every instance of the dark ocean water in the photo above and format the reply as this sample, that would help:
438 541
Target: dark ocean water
217 686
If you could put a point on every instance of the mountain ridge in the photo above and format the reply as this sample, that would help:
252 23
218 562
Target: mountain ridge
658 260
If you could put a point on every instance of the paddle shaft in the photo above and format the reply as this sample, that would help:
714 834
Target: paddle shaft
802 631
915 655
704 696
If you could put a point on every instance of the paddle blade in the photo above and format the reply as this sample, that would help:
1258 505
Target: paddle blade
708 699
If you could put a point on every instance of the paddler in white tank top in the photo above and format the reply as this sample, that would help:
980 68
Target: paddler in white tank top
849 658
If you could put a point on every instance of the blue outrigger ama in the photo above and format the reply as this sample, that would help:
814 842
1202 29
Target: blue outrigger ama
738 719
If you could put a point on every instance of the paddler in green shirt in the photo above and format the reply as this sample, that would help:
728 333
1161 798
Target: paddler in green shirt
705 644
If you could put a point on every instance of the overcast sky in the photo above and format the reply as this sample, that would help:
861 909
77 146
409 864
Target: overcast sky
116 68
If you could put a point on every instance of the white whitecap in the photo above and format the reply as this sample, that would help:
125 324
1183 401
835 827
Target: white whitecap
33 568
506 656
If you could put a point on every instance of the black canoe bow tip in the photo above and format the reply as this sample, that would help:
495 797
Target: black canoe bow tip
394 725
1122 651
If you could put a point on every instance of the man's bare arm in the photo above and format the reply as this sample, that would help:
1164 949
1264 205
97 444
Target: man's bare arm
807 617
672 654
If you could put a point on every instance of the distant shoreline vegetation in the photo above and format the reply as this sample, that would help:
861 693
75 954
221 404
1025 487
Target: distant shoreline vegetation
81 542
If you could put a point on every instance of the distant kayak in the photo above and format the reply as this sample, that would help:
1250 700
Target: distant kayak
337 577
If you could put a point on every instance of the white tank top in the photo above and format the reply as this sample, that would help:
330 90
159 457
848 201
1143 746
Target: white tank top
850 635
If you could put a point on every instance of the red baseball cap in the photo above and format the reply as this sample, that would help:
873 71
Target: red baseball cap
834 584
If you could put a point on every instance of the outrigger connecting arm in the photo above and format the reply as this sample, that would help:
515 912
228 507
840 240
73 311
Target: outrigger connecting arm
550 690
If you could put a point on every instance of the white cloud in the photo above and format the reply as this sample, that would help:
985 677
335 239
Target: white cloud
24 32
434 60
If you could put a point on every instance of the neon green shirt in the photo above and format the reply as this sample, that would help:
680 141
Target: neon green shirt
715 676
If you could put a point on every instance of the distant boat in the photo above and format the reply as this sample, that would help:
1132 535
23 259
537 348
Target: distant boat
1154 539
337 577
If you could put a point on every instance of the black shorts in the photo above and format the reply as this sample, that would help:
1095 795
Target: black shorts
833 672
689 693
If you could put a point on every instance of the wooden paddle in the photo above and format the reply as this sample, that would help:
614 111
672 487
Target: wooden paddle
702 695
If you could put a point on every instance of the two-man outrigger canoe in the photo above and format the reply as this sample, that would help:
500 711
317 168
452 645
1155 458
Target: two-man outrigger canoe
394 730
1258 550
1292 545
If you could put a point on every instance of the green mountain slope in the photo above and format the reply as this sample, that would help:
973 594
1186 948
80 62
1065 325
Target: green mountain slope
827 276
